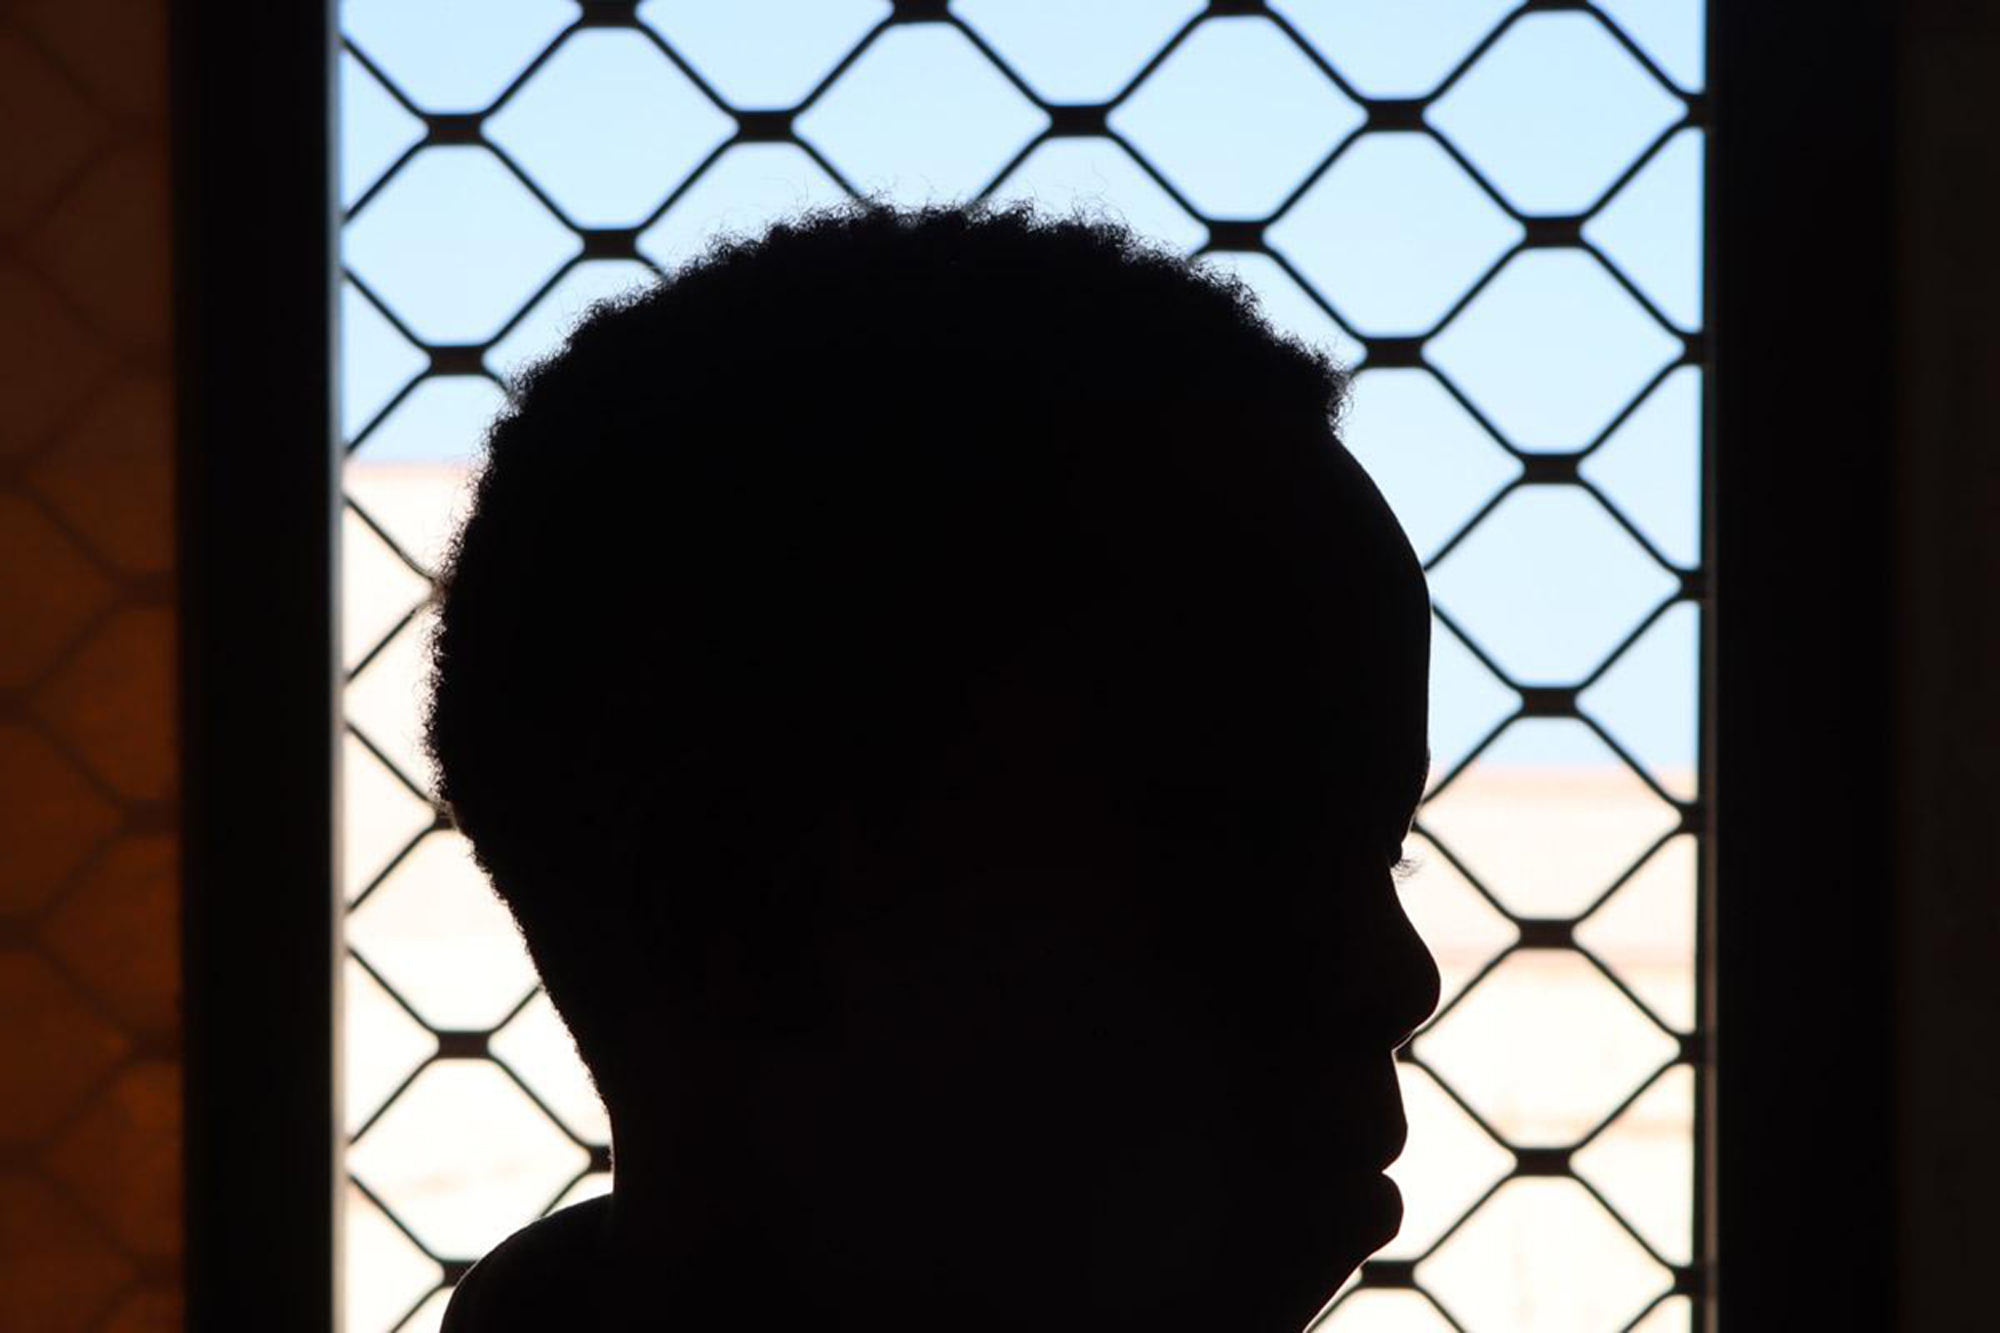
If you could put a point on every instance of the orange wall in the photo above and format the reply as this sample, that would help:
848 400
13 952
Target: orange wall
90 1220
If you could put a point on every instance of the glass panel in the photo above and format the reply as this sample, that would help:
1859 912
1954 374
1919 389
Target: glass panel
1529 400
1391 1312
454 243
1547 818
922 117
608 127
1394 48
1289 307
1554 112
1649 468
751 186
1448 1166
1236 81
1665 261
1672 33
1645 700
376 361
537 1047
1544 1048
1543 1257
1469 702
1645 933
1548 584
544 327
1552 349
1098 179
1463 927
1437 467
1069 52
1643 1164
375 129
462 1156
400 1275
738 50
436 935
452 55
1394 233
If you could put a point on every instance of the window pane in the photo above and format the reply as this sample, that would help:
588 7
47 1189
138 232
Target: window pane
1493 215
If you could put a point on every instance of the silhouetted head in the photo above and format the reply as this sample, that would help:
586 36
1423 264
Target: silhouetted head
944 709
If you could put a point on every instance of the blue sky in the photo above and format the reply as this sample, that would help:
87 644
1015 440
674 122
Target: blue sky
1550 352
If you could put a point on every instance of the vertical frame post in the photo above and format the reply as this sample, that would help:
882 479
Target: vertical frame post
1802 539
255 276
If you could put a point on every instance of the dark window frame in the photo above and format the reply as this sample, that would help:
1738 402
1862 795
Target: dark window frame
1798 528
1800 1196
254 277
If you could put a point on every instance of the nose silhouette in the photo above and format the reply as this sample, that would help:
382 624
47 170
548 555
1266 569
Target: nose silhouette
1412 985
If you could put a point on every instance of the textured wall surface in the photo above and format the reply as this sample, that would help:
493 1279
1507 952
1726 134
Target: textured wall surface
1948 380
90 1220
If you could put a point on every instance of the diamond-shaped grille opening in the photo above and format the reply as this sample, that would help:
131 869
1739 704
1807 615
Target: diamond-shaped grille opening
1522 1256
1097 178
382 816
401 1275
1544 1047
453 55
1509 246
1674 1314
397 1043
1549 585
375 129
923 116
1380 1311
1647 699
1465 930
1290 308
1555 142
608 126
455 243
1664 262
1552 350
438 938
1394 232
1548 818
1642 1164
1437 467
368 554
1644 932
750 186
1448 1167
542 329
377 363
1077 53
732 49
1670 37
1649 468
462 1155
538 1048
1232 81
382 704
1394 48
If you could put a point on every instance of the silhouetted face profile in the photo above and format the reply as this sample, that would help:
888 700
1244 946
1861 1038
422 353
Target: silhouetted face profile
945 711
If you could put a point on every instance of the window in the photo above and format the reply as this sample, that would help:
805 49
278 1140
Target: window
1495 211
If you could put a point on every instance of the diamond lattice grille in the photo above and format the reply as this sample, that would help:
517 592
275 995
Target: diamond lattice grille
1493 210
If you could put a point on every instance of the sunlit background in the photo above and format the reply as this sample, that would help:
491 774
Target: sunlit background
1495 214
